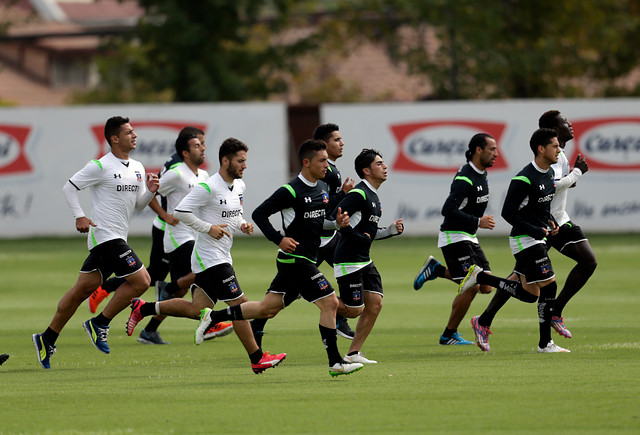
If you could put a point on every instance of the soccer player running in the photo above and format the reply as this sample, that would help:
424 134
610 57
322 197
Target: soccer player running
119 186
527 207
463 213
158 259
214 209
358 279
303 205
570 240
330 134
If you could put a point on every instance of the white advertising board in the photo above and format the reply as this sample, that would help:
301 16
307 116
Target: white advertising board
40 149
423 145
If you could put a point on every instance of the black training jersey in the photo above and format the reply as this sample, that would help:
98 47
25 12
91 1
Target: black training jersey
467 201
303 209
364 209
527 206
333 178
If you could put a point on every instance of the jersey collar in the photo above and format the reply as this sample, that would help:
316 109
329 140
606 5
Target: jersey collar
538 168
370 186
305 181
474 168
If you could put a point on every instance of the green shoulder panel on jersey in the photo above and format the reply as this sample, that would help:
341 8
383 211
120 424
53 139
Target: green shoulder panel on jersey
176 171
463 178
360 191
522 178
174 165
206 186
97 162
329 169
290 189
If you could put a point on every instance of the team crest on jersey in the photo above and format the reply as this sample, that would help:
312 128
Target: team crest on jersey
233 287
325 197
131 261
138 176
241 198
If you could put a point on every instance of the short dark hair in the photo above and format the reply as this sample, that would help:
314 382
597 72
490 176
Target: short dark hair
112 127
182 143
478 140
541 136
191 130
309 148
364 160
549 119
230 147
323 131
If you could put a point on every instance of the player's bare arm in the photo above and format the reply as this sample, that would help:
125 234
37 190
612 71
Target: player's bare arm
153 182
247 228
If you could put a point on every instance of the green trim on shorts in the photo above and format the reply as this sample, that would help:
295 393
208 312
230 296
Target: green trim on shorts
517 239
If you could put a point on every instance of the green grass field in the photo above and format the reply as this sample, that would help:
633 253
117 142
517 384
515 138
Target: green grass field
417 386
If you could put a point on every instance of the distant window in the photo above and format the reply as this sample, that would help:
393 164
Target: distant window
70 72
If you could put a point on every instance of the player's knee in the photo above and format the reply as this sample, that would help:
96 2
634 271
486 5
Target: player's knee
485 289
353 312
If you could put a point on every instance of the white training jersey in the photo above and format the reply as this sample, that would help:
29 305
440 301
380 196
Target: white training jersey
216 203
564 178
175 184
116 186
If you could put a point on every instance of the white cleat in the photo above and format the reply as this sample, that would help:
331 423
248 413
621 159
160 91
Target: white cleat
344 368
469 280
359 358
205 322
551 347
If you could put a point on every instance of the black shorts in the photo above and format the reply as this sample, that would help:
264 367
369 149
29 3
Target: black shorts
568 234
460 256
300 278
113 256
158 260
219 283
325 253
180 260
534 264
353 285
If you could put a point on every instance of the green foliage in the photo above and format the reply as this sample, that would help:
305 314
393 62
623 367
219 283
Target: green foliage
417 386
474 49
207 50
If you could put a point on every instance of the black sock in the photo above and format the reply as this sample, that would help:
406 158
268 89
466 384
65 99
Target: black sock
449 332
152 325
256 356
148 309
100 320
514 288
50 336
330 340
545 312
497 302
233 312
257 325
439 270
172 287
112 284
